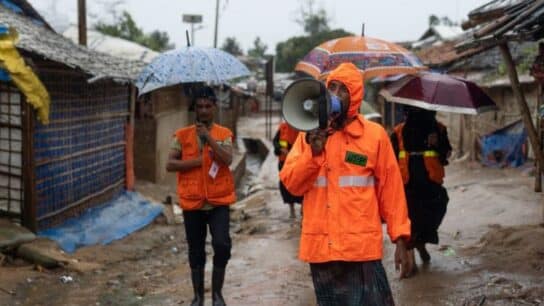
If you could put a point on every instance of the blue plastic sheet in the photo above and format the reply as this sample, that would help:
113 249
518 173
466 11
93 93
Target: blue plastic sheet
11 6
101 225
505 147
4 76
4 29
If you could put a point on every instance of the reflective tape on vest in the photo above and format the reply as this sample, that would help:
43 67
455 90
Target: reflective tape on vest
355 181
321 181
429 153
284 143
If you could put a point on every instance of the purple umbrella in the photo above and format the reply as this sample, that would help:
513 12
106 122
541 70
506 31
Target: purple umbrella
439 92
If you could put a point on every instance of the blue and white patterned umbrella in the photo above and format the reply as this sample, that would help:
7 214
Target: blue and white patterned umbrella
190 64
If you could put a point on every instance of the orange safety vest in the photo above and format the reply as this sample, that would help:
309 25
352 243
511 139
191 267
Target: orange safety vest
348 190
431 159
196 186
287 138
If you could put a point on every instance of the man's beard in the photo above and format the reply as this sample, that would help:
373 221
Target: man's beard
339 122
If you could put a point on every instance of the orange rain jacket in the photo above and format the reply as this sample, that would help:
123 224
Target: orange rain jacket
287 138
431 159
348 189
196 185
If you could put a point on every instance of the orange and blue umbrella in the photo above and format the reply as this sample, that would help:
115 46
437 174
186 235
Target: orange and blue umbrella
373 57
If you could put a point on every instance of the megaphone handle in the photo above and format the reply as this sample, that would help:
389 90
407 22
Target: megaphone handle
323 112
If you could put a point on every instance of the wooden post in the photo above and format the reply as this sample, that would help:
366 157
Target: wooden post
538 175
522 103
129 144
461 135
29 209
82 22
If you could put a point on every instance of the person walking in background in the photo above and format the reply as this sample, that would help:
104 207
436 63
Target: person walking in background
351 181
422 148
283 141
201 154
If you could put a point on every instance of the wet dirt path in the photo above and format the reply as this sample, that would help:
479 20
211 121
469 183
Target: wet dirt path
491 252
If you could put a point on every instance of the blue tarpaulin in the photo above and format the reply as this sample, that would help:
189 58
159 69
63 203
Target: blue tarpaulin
4 76
12 6
4 29
101 225
505 147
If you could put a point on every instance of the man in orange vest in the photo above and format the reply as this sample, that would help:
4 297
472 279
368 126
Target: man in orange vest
201 155
422 148
351 181
283 141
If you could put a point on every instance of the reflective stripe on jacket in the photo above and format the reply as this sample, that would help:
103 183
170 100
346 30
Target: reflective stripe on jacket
288 135
196 186
348 190
431 159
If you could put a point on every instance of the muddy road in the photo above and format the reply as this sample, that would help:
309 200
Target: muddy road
491 252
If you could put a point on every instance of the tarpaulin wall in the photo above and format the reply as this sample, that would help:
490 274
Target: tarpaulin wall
80 154
505 147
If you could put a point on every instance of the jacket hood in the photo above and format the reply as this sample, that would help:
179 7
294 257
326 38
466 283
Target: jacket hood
351 77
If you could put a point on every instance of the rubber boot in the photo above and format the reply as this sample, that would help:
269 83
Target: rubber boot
197 277
218 276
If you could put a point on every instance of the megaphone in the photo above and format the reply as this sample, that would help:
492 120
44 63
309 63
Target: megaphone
307 105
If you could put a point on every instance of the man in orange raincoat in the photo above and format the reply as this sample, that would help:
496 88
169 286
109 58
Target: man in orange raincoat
350 181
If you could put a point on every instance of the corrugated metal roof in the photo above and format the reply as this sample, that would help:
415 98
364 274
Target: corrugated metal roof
44 42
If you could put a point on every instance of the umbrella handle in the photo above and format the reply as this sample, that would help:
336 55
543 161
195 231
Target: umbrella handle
187 36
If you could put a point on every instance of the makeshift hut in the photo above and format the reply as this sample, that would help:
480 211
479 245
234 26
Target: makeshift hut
81 158
504 23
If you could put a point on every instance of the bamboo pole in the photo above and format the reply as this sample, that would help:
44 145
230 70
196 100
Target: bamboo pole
522 103
461 144
29 209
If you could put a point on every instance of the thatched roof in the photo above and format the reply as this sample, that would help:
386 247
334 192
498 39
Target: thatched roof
40 40
500 21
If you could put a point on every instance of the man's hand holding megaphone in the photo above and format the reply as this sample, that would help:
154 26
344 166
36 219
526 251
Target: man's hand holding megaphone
317 139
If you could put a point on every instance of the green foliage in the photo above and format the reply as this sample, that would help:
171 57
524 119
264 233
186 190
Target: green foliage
316 26
258 50
289 52
313 22
126 28
232 46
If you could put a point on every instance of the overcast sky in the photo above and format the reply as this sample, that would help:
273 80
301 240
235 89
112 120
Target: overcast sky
273 21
